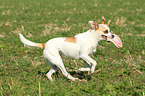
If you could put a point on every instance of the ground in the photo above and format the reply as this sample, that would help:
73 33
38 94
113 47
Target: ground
118 71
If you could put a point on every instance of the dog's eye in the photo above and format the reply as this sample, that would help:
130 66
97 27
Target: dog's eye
106 31
112 36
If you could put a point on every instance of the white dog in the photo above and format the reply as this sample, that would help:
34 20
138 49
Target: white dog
79 46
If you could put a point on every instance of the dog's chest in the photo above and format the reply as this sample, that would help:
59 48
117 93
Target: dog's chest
92 49
88 47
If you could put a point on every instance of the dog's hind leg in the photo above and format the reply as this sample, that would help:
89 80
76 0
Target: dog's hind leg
54 59
51 71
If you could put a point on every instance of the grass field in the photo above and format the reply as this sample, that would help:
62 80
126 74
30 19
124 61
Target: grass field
121 72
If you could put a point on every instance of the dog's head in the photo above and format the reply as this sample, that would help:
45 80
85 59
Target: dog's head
103 32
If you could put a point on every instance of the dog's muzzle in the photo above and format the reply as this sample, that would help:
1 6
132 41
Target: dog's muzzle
105 37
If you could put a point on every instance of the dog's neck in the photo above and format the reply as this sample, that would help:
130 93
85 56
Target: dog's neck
96 37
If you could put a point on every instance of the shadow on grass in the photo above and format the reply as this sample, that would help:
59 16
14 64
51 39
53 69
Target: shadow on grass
80 75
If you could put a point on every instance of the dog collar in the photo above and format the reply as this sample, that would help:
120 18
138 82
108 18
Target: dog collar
92 29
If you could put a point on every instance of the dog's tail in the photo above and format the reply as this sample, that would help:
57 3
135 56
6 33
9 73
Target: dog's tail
30 43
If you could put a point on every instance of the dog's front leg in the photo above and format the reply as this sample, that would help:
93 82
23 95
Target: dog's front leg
88 61
88 66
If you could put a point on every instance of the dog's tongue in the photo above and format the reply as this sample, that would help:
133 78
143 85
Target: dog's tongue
116 40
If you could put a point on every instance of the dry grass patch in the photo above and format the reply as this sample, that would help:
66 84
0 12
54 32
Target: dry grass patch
51 27
121 21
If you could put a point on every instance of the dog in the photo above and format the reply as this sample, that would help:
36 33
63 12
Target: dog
79 46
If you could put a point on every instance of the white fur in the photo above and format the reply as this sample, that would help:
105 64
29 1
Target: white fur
26 41
85 44
105 26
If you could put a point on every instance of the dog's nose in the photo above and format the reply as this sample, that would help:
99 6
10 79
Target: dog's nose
109 35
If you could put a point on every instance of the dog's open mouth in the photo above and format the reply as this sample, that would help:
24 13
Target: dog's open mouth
103 36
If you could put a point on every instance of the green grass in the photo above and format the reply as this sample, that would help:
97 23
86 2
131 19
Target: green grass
122 71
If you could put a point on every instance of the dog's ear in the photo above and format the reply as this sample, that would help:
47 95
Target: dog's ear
91 22
94 25
109 22
104 20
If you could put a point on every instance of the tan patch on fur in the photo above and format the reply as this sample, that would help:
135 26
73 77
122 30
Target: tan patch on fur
101 29
104 22
96 26
71 39
41 45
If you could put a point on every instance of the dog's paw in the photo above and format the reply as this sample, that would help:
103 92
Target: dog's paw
75 79
92 71
84 69
80 80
